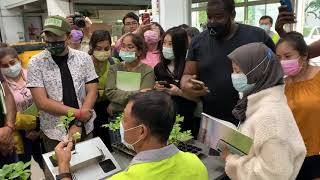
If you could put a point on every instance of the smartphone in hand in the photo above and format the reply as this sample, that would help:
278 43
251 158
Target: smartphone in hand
165 84
198 85
288 4
146 18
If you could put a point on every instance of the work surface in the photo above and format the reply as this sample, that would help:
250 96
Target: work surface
214 164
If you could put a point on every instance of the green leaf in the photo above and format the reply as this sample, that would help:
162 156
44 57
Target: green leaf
7 169
2 174
26 165
76 136
15 174
25 176
54 157
72 118
114 126
19 166
70 113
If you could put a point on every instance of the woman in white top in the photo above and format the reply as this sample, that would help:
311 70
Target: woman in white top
278 150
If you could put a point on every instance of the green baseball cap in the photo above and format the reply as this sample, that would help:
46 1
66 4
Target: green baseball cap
57 25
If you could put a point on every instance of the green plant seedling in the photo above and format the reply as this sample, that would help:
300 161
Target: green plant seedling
16 170
175 137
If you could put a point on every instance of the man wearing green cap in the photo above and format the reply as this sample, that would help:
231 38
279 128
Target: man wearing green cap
62 79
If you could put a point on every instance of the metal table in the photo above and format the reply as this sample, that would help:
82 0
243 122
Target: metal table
214 164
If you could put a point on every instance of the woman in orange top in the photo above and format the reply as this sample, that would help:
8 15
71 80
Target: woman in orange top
303 94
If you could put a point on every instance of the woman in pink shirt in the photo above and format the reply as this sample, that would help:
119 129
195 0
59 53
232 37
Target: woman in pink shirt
152 38
16 77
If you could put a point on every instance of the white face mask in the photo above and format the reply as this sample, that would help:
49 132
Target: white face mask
267 28
122 131
12 71
168 53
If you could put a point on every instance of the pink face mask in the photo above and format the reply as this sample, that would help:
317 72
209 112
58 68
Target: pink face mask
151 37
290 67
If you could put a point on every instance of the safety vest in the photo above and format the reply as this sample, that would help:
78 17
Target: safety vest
275 38
180 166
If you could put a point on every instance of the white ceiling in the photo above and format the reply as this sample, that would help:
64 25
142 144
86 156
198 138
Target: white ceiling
114 2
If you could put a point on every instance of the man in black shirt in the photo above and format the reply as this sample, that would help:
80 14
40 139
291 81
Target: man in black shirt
207 59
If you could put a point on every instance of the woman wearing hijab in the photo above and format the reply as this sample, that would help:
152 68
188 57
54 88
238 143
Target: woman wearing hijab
278 150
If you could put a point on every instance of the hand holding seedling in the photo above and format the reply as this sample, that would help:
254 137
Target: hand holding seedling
63 154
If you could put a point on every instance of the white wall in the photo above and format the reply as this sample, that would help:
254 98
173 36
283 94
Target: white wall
174 13
59 7
11 24
110 16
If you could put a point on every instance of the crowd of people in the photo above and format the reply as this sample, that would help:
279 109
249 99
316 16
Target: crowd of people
252 77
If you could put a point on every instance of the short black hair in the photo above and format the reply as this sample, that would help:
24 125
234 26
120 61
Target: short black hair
155 110
8 51
184 26
139 42
131 15
192 32
267 17
297 41
229 5
98 36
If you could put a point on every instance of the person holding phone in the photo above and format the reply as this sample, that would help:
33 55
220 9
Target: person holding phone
168 74
207 59
152 38
287 17
131 25
130 22
302 91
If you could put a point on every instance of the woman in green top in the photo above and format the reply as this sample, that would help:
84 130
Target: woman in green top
100 51
129 77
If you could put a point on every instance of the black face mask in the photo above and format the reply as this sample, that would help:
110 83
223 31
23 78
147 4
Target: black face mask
219 30
56 48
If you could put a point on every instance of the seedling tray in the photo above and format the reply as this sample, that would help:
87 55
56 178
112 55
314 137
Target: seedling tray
185 147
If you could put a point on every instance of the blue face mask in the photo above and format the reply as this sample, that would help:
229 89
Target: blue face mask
240 83
128 56
168 53
12 71
265 27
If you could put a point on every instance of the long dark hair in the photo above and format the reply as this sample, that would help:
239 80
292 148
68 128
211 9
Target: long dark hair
98 36
180 47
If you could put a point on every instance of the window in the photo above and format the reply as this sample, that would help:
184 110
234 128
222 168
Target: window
248 11
255 13
240 14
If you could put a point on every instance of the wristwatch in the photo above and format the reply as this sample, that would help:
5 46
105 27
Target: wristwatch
63 175
78 123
